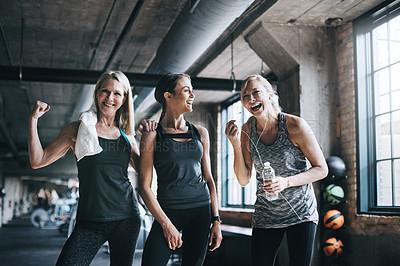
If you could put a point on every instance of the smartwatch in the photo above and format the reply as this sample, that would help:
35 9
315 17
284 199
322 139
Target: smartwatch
216 218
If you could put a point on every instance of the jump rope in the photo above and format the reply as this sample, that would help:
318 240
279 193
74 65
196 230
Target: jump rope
255 146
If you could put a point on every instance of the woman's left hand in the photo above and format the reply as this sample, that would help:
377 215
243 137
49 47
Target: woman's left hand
276 185
215 236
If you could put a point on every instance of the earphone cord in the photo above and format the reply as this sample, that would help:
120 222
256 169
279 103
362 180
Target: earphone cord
259 156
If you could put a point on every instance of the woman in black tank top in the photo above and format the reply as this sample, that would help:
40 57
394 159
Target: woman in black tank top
107 209
186 194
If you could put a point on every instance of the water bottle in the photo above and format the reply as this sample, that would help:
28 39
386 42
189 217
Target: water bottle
268 174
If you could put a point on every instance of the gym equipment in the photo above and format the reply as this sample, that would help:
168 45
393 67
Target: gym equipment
333 247
333 194
337 167
333 219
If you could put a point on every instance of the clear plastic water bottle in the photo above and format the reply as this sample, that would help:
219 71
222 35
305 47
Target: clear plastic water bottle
268 174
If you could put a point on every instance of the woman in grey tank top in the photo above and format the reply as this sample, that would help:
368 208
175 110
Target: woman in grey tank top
286 142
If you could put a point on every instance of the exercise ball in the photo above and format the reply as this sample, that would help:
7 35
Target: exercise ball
333 247
337 167
333 219
333 194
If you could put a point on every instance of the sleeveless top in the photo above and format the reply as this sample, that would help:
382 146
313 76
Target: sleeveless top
180 180
295 204
106 194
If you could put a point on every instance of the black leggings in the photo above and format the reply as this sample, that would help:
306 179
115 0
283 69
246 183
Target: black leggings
195 226
265 244
87 238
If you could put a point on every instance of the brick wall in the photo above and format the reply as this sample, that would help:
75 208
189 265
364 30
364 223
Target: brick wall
369 237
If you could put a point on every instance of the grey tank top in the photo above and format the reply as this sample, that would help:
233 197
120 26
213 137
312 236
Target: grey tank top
180 179
295 204
106 194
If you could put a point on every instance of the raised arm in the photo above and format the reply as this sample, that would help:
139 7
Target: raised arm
147 144
215 235
242 162
65 140
145 125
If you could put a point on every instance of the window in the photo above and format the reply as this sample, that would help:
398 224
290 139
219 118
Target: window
378 96
234 195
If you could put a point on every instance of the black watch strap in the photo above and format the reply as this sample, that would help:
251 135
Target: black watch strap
216 218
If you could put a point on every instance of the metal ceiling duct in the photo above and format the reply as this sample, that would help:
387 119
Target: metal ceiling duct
196 28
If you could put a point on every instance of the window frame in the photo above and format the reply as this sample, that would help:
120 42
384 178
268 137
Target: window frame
365 116
225 170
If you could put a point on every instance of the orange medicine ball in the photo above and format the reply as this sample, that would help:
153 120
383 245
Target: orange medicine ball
333 219
333 247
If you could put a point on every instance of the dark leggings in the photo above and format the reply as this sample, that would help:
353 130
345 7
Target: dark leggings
265 244
195 226
87 238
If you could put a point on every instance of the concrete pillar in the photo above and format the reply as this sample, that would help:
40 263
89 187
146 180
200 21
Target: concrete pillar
303 58
282 64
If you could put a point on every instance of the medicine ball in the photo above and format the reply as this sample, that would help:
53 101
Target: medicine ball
333 219
333 194
333 247
337 167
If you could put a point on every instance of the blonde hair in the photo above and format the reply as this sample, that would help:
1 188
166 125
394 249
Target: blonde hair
124 116
275 99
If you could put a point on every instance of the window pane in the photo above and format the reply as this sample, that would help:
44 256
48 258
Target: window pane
250 190
382 91
383 143
384 183
234 192
394 29
396 133
395 100
234 189
396 176
381 55
395 78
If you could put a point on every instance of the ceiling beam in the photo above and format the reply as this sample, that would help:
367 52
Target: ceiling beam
90 77
255 10
278 59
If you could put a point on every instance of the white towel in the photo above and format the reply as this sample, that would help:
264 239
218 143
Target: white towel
87 142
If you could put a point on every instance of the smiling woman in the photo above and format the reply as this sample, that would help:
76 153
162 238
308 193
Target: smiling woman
104 145
271 137
186 194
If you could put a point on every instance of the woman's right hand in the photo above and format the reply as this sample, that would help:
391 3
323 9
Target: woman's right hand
39 109
232 132
147 125
172 236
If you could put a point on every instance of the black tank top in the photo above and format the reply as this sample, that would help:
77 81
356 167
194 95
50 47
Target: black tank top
106 194
180 180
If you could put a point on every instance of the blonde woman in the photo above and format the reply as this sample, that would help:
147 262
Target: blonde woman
104 145
285 141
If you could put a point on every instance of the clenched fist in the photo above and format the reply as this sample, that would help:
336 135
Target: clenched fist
39 109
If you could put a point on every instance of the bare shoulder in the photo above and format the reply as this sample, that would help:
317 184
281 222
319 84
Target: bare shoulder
295 124
131 138
202 130
247 126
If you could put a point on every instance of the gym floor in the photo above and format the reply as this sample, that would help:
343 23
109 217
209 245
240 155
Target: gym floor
23 244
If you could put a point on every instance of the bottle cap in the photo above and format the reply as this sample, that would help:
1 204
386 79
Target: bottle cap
266 164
